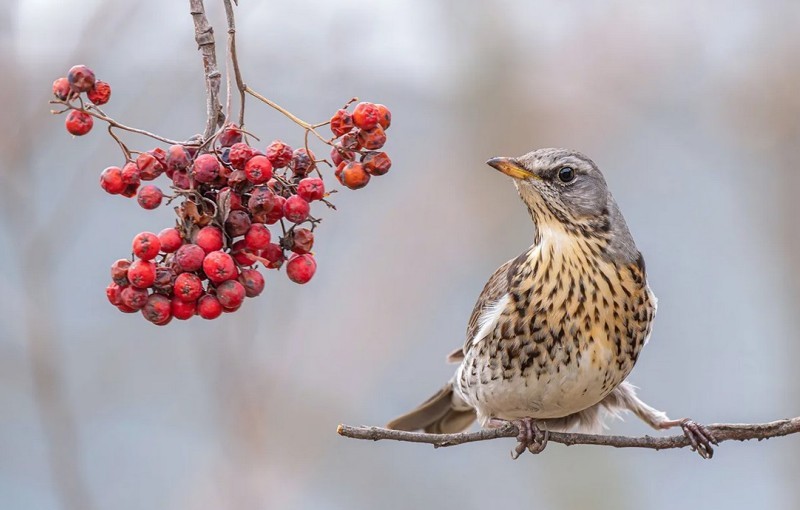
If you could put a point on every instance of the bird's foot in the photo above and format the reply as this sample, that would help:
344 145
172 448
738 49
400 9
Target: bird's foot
700 438
530 437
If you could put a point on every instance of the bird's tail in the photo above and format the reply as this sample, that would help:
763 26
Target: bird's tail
443 413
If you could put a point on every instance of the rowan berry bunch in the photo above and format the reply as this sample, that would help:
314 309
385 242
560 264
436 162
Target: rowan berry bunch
240 209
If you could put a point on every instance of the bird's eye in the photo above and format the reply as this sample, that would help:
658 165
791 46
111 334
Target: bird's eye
566 174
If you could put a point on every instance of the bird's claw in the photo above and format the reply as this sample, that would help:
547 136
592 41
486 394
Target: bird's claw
700 438
530 437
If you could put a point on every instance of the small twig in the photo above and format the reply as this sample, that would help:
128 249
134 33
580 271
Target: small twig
204 36
234 59
721 432
300 122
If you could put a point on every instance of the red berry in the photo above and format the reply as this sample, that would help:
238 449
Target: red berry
311 188
119 272
130 176
178 158
302 162
239 155
354 176
338 172
384 116
134 298
237 223
209 239
146 245
274 254
158 309
183 310
79 123
205 168
149 166
114 293
301 268
209 307
125 309
81 78
230 294
341 123
170 240
371 139
302 240
219 267
274 215
258 169
262 200
181 179
366 115
150 197
61 88
142 273
234 199
188 287
296 209
111 180
229 136
376 163
257 237
253 282
349 142
241 254
165 280
100 93
339 154
189 257
279 154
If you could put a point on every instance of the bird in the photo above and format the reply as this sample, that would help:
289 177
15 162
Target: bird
556 330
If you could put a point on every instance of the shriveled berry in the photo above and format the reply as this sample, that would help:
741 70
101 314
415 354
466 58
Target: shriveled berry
350 142
253 282
165 280
258 169
79 123
229 136
134 298
157 309
384 116
311 188
296 209
257 237
146 245
209 239
180 178
149 166
209 307
114 293
302 240
100 93
237 177
142 273
274 254
230 293
239 155
376 163
230 199
339 154
272 217
371 139
111 180
301 268
341 123
205 168
302 162
237 223
150 197
262 200
338 172
279 154
183 310
219 266
241 254
170 240
366 115
81 78
130 175
187 287
61 88
178 158
189 257
354 176
119 272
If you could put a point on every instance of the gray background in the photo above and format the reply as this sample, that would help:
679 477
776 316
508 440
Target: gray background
690 108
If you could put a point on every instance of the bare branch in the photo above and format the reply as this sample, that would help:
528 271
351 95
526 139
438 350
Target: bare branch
721 432
204 36
235 59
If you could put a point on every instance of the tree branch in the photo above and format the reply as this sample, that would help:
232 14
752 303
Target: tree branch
721 432
204 36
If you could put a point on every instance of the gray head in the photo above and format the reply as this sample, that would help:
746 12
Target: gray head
565 190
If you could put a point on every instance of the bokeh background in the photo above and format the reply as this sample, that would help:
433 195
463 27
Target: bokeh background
690 108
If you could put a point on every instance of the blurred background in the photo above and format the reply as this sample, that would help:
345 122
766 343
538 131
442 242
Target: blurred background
690 108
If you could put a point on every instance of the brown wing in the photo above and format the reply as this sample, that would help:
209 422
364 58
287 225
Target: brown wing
495 288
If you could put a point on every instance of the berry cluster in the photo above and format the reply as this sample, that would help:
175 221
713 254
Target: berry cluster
230 194
80 79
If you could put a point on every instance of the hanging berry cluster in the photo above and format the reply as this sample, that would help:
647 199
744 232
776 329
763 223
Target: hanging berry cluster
239 209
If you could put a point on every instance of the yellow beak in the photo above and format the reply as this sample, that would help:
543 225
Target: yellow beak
510 167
